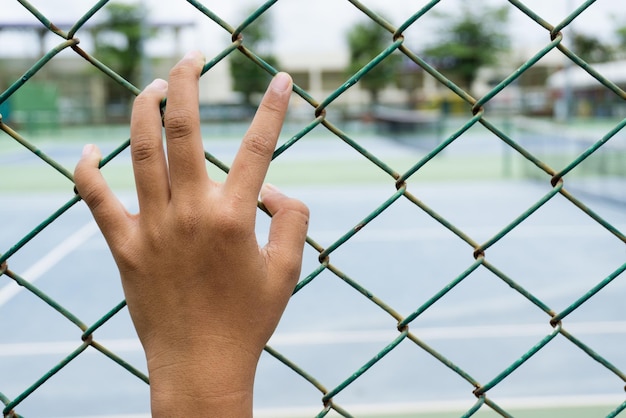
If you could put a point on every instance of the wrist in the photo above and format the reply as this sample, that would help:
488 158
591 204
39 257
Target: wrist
216 381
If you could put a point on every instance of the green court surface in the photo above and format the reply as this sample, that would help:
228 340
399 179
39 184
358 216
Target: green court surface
332 162
40 177
318 158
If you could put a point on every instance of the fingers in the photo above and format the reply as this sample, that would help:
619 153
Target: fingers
182 128
290 221
107 210
146 144
252 160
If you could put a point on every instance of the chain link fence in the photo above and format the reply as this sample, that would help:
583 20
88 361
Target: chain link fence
322 118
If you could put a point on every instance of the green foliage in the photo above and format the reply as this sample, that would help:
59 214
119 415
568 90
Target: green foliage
119 39
248 77
469 40
620 33
366 40
591 49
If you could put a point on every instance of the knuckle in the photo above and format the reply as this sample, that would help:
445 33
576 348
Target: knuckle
298 207
179 123
143 148
79 173
93 196
258 143
227 224
295 207
300 213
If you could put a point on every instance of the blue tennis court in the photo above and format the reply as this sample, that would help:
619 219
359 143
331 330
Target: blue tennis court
402 257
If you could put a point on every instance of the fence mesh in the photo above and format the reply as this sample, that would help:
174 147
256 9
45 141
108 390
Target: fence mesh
322 117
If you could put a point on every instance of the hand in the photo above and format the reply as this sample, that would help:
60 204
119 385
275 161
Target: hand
203 296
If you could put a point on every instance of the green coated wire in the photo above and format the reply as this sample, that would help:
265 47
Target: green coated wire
506 372
321 115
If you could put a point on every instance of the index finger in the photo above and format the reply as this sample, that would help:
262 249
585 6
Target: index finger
250 165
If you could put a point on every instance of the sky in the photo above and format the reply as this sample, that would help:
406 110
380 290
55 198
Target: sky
311 25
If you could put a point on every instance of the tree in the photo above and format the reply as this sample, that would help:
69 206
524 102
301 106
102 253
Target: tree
119 42
469 40
590 48
248 78
366 40
620 33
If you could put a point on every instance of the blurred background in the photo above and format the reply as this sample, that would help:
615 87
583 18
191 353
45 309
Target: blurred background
394 118
320 44
554 108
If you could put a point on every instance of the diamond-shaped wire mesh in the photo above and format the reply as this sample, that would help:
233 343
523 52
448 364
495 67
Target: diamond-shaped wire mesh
405 329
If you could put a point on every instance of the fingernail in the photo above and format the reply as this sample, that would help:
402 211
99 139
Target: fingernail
88 149
159 84
269 188
195 55
281 82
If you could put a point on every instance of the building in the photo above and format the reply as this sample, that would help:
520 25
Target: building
576 92
76 90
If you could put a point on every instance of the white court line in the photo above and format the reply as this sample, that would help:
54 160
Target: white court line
447 333
375 235
304 339
48 261
453 405
382 409
441 233
128 345
404 408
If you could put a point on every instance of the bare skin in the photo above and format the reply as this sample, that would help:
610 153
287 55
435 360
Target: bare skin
204 297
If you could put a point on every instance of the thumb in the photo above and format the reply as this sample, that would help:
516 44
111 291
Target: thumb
290 221
107 210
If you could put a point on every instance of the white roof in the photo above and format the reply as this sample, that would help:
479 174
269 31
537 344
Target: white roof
577 77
